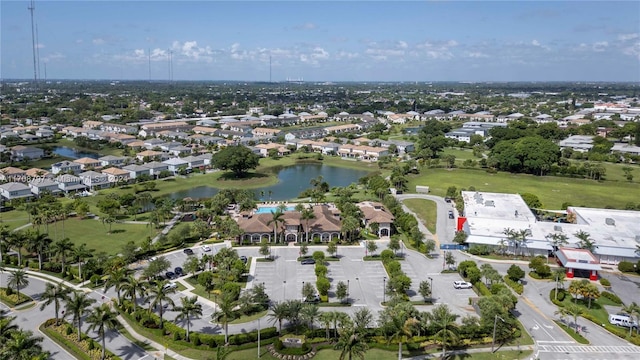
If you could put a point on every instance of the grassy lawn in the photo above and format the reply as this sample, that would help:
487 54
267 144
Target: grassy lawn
572 332
552 191
251 354
14 218
460 154
249 318
94 234
426 211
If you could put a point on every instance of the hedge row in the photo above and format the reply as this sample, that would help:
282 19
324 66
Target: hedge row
516 286
86 349
612 297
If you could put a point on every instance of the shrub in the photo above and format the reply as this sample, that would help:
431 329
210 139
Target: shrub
464 265
321 270
323 285
516 286
318 256
176 336
91 345
605 282
479 249
278 344
387 255
195 339
612 297
626 266
561 295
8 291
482 289
515 273
68 330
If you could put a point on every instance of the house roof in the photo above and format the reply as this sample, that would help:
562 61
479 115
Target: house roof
86 161
114 171
14 186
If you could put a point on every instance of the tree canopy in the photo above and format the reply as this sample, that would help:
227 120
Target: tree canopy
238 159
530 154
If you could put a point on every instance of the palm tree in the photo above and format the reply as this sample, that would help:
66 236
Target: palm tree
190 308
117 278
7 326
307 215
17 239
4 235
575 289
78 306
586 242
630 310
159 294
590 291
444 321
326 318
133 287
276 218
22 345
62 248
310 313
79 254
39 243
362 320
54 294
18 279
349 225
102 318
571 310
279 312
224 312
351 344
512 237
559 275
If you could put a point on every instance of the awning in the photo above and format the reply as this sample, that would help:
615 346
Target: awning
582 266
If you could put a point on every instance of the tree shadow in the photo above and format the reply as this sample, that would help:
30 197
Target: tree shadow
247 176
118 231
131 351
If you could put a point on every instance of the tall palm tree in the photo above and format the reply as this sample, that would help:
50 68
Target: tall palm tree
63 248
190 308
279 312
39 243
54 294
18 279
307 215
575 288
4 236
362 320
159 295
79 254
276 218
444 321
512 237
78 306
224 312
571 310
586 242
17 240
349 225
7 326
22 345
133 287
351 344
117 278
310 313
326 318
560 276
102 318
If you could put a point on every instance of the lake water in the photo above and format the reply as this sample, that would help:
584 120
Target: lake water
73 153
292 181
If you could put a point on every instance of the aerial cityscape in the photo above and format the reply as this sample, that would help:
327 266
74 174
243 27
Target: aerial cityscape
319 180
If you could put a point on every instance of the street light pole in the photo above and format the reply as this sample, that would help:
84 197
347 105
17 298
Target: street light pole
384 289
431 288
348 288
303 290
495 323
258 337
284 284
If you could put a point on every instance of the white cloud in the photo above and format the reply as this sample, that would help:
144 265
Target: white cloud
537 43
600 46
477 54
626 37
437 49
633 50
98 41
40 46
306 26
402 44
53 57
79 41
190 50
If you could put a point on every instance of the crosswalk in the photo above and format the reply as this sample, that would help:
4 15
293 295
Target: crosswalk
590 349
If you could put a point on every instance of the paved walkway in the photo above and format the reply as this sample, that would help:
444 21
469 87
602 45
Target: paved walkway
160 349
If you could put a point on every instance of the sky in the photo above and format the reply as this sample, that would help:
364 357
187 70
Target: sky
324 40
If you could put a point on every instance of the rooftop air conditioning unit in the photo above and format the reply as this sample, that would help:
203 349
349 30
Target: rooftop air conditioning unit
610 221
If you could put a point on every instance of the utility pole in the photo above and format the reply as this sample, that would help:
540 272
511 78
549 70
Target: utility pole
495 323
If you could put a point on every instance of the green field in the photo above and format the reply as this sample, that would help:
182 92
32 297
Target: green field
426 211
460 154
552 191
94 234
14 218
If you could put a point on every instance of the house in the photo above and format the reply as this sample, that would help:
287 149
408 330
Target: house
112 160
70 183
88 163
194 162
402 147
155 168
94 180
342 129
264 149
43 185
20 152
11 173
65 167
149 154
151 144
376 213
153 128
90 124
15 190
44 133
116 175
135 171
176 164
119 128
260 131
179 150
325 226
35 173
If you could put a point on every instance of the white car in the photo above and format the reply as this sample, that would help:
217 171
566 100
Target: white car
462 285
170 285
206 248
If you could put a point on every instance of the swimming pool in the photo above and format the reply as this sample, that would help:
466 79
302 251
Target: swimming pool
269 209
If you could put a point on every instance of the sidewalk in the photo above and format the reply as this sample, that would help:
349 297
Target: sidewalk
159 353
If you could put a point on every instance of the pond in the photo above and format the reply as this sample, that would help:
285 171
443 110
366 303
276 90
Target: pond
73 153
292 180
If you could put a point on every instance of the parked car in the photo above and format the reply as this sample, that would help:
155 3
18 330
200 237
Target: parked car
462 285
170 285
170 275
447 199
153 258
451 216
188 251
206 248
312 299
178 271
307 262
244 259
